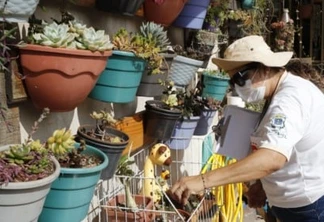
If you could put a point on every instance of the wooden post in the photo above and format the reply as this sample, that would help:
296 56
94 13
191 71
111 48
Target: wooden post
9 118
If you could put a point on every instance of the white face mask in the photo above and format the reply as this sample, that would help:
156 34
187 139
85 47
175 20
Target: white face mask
250 94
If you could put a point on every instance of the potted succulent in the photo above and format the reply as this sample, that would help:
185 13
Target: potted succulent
81 166
127 206
104 136
132 53
72 58
161 115
187 123
214 84
27 171
151 80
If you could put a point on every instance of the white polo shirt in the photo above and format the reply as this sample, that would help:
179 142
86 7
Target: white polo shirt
294 126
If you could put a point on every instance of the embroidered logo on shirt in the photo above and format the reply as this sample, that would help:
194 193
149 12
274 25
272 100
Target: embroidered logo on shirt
277 123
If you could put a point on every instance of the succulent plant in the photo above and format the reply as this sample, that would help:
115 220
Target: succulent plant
73 35
61 142
157 32
147 44
103 121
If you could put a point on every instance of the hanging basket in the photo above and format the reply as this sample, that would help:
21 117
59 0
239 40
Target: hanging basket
59 78
183 70
193 14
120 80
163 12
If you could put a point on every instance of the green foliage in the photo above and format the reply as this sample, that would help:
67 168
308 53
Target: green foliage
146 44
5 35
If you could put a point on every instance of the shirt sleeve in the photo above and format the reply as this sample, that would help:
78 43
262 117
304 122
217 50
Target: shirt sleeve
282 126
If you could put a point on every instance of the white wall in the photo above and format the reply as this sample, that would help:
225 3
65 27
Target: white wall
101 20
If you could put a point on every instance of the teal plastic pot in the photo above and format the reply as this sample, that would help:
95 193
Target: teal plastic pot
71 193
119 82
214 87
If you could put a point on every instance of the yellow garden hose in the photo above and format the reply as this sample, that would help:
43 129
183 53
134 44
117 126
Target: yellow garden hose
228 197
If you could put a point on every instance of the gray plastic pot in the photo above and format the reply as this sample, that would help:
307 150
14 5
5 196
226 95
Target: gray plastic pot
23 201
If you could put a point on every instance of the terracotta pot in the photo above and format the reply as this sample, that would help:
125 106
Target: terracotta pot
163 13
117 215
60 78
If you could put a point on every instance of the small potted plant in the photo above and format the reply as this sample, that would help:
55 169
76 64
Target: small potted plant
152 78
27 171
214 84
104 136
72 58
161 115
121 78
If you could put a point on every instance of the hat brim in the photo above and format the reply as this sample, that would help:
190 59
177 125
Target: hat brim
277 59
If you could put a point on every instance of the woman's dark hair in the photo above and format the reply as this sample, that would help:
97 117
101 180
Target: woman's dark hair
306 71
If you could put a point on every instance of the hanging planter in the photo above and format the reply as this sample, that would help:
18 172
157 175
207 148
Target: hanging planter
17 10
215 85
23 201
248 4
163 12
112 150
61 67
119 81
193 14
151 83
205 121
159 120
182 133
60 78
126 7
71 193
183 70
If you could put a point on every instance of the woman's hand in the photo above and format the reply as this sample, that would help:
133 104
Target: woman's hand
182 189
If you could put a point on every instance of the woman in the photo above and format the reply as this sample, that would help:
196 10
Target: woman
287 146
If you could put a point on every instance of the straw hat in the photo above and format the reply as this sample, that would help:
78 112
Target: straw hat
251 49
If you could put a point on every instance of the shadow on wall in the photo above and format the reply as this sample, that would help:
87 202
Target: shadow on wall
29 114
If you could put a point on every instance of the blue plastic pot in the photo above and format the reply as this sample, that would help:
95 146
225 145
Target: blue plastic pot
205 121
214 87
119 82
193 14
71 193
183 70
182 133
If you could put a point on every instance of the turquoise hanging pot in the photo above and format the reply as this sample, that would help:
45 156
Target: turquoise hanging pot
248 4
